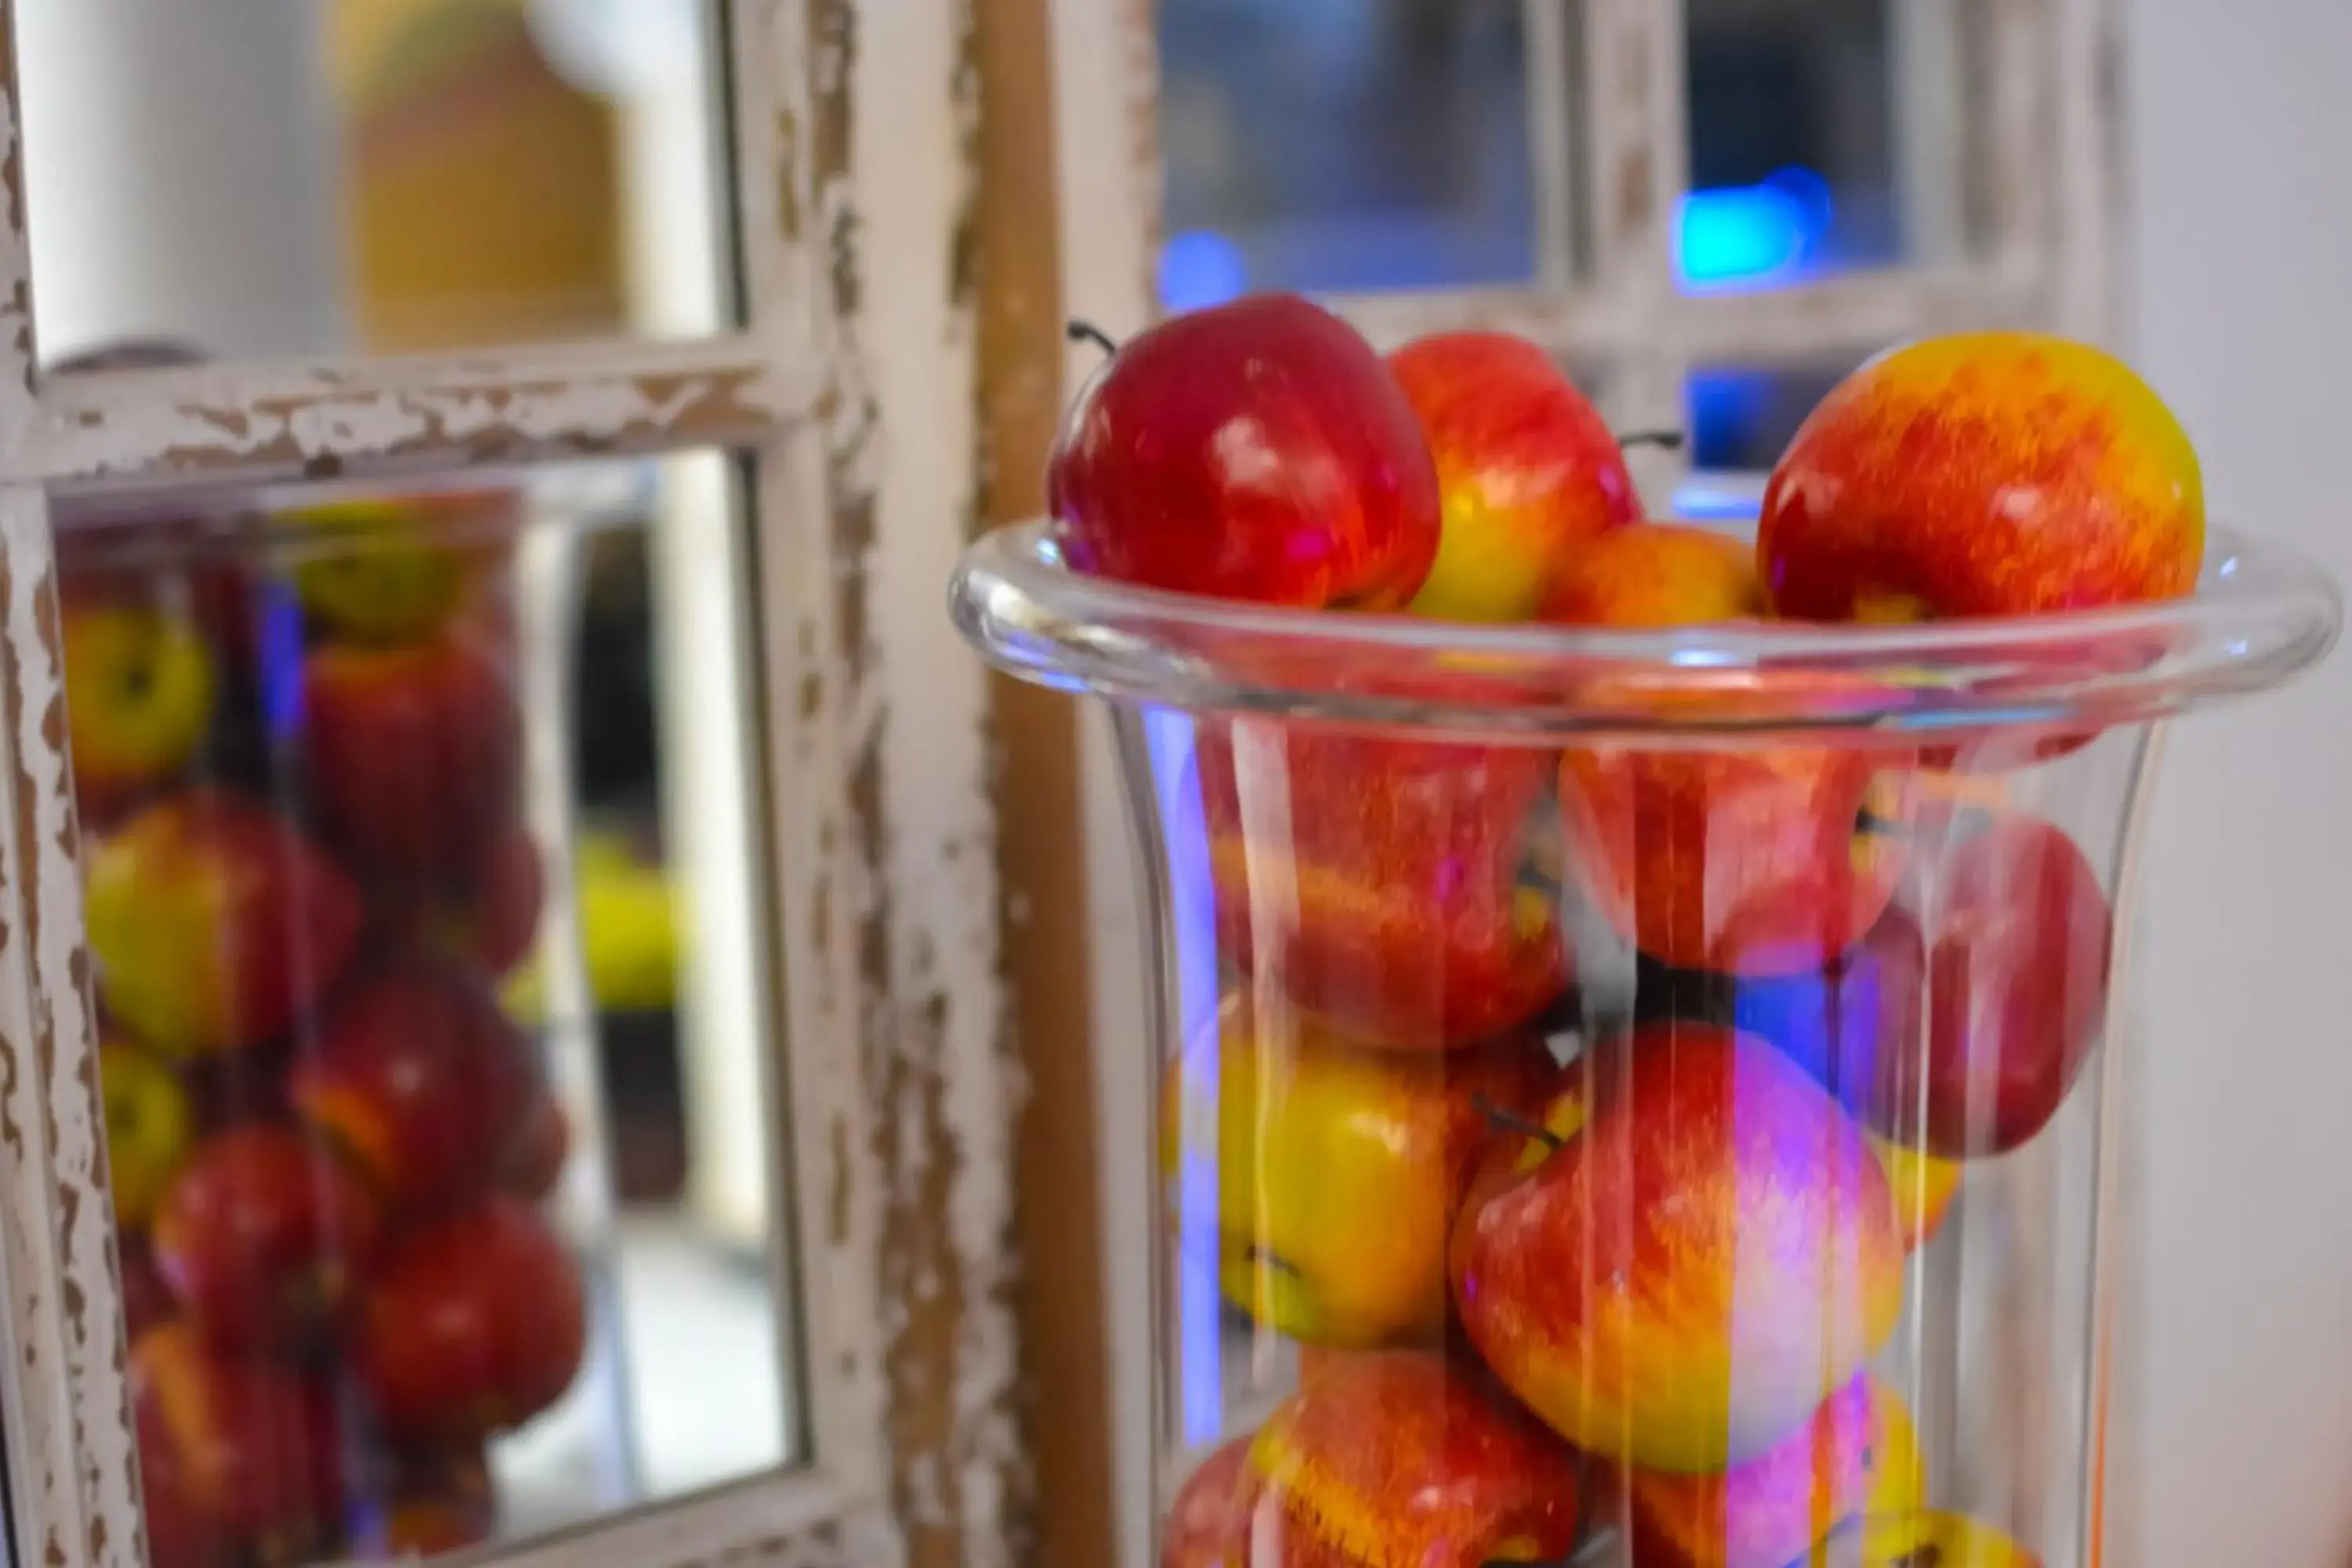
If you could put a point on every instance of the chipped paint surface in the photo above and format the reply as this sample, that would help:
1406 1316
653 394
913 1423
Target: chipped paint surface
854 382
16 246
137 428
68 1402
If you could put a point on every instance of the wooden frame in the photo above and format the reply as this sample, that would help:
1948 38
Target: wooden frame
2040 109
858 168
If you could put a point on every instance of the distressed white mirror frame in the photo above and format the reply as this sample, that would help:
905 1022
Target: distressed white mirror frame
851 129
2038 115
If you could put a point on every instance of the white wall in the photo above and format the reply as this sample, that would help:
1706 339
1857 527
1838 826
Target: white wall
2242 153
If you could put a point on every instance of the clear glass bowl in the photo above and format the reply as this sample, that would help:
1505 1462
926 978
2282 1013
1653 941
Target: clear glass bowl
1635 1097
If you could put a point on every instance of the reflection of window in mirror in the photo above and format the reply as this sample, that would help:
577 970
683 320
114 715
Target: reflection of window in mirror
278 177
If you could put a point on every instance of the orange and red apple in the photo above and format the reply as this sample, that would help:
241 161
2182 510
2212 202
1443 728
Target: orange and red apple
1404 1456
1745 859
1984 474
1651 575
1699 1251
250 1452
1377 883
422 1082
1260 451
216 924
470 1325
1337 1170
1530 474
1208 1524
414 756
262 1236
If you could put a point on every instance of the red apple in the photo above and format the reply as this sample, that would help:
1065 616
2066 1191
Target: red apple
472 1324
487 919
2017 988
1259 451
1208 1524
1400 1456
252 1450
422 1082
536 1161
1698 1249
414 754
1964 1040
147 1299
261 1236
1528 473
1744 861
1376 883
215 925
178 1536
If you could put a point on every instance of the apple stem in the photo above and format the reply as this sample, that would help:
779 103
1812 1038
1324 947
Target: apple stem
1509 1121
1664 440
1087 332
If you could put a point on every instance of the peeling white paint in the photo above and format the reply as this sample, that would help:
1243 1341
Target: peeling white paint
65 1401
261 423
864 425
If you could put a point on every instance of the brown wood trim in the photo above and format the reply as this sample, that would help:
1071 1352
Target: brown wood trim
1064 1326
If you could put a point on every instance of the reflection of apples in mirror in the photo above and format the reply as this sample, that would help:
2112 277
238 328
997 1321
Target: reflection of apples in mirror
216 923
263 1235
139 697
471 1324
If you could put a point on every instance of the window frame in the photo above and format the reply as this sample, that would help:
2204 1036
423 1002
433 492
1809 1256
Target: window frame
855 179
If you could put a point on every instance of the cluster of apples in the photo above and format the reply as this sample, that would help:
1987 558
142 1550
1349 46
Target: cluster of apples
297 757
1651 1279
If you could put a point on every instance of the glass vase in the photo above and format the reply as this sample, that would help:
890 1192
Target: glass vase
1636 1097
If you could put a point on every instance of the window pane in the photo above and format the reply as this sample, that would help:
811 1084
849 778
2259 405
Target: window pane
425 891
1824 135
306 177
1743 416
1343 145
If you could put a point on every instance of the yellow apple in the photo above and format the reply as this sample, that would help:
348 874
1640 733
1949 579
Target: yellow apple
1924 1187
149 1124
139 697
1922 1538
1335 1169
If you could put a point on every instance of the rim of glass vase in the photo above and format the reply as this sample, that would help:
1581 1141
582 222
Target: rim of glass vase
2261 614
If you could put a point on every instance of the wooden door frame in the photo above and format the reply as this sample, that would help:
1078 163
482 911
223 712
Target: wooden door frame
852 385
